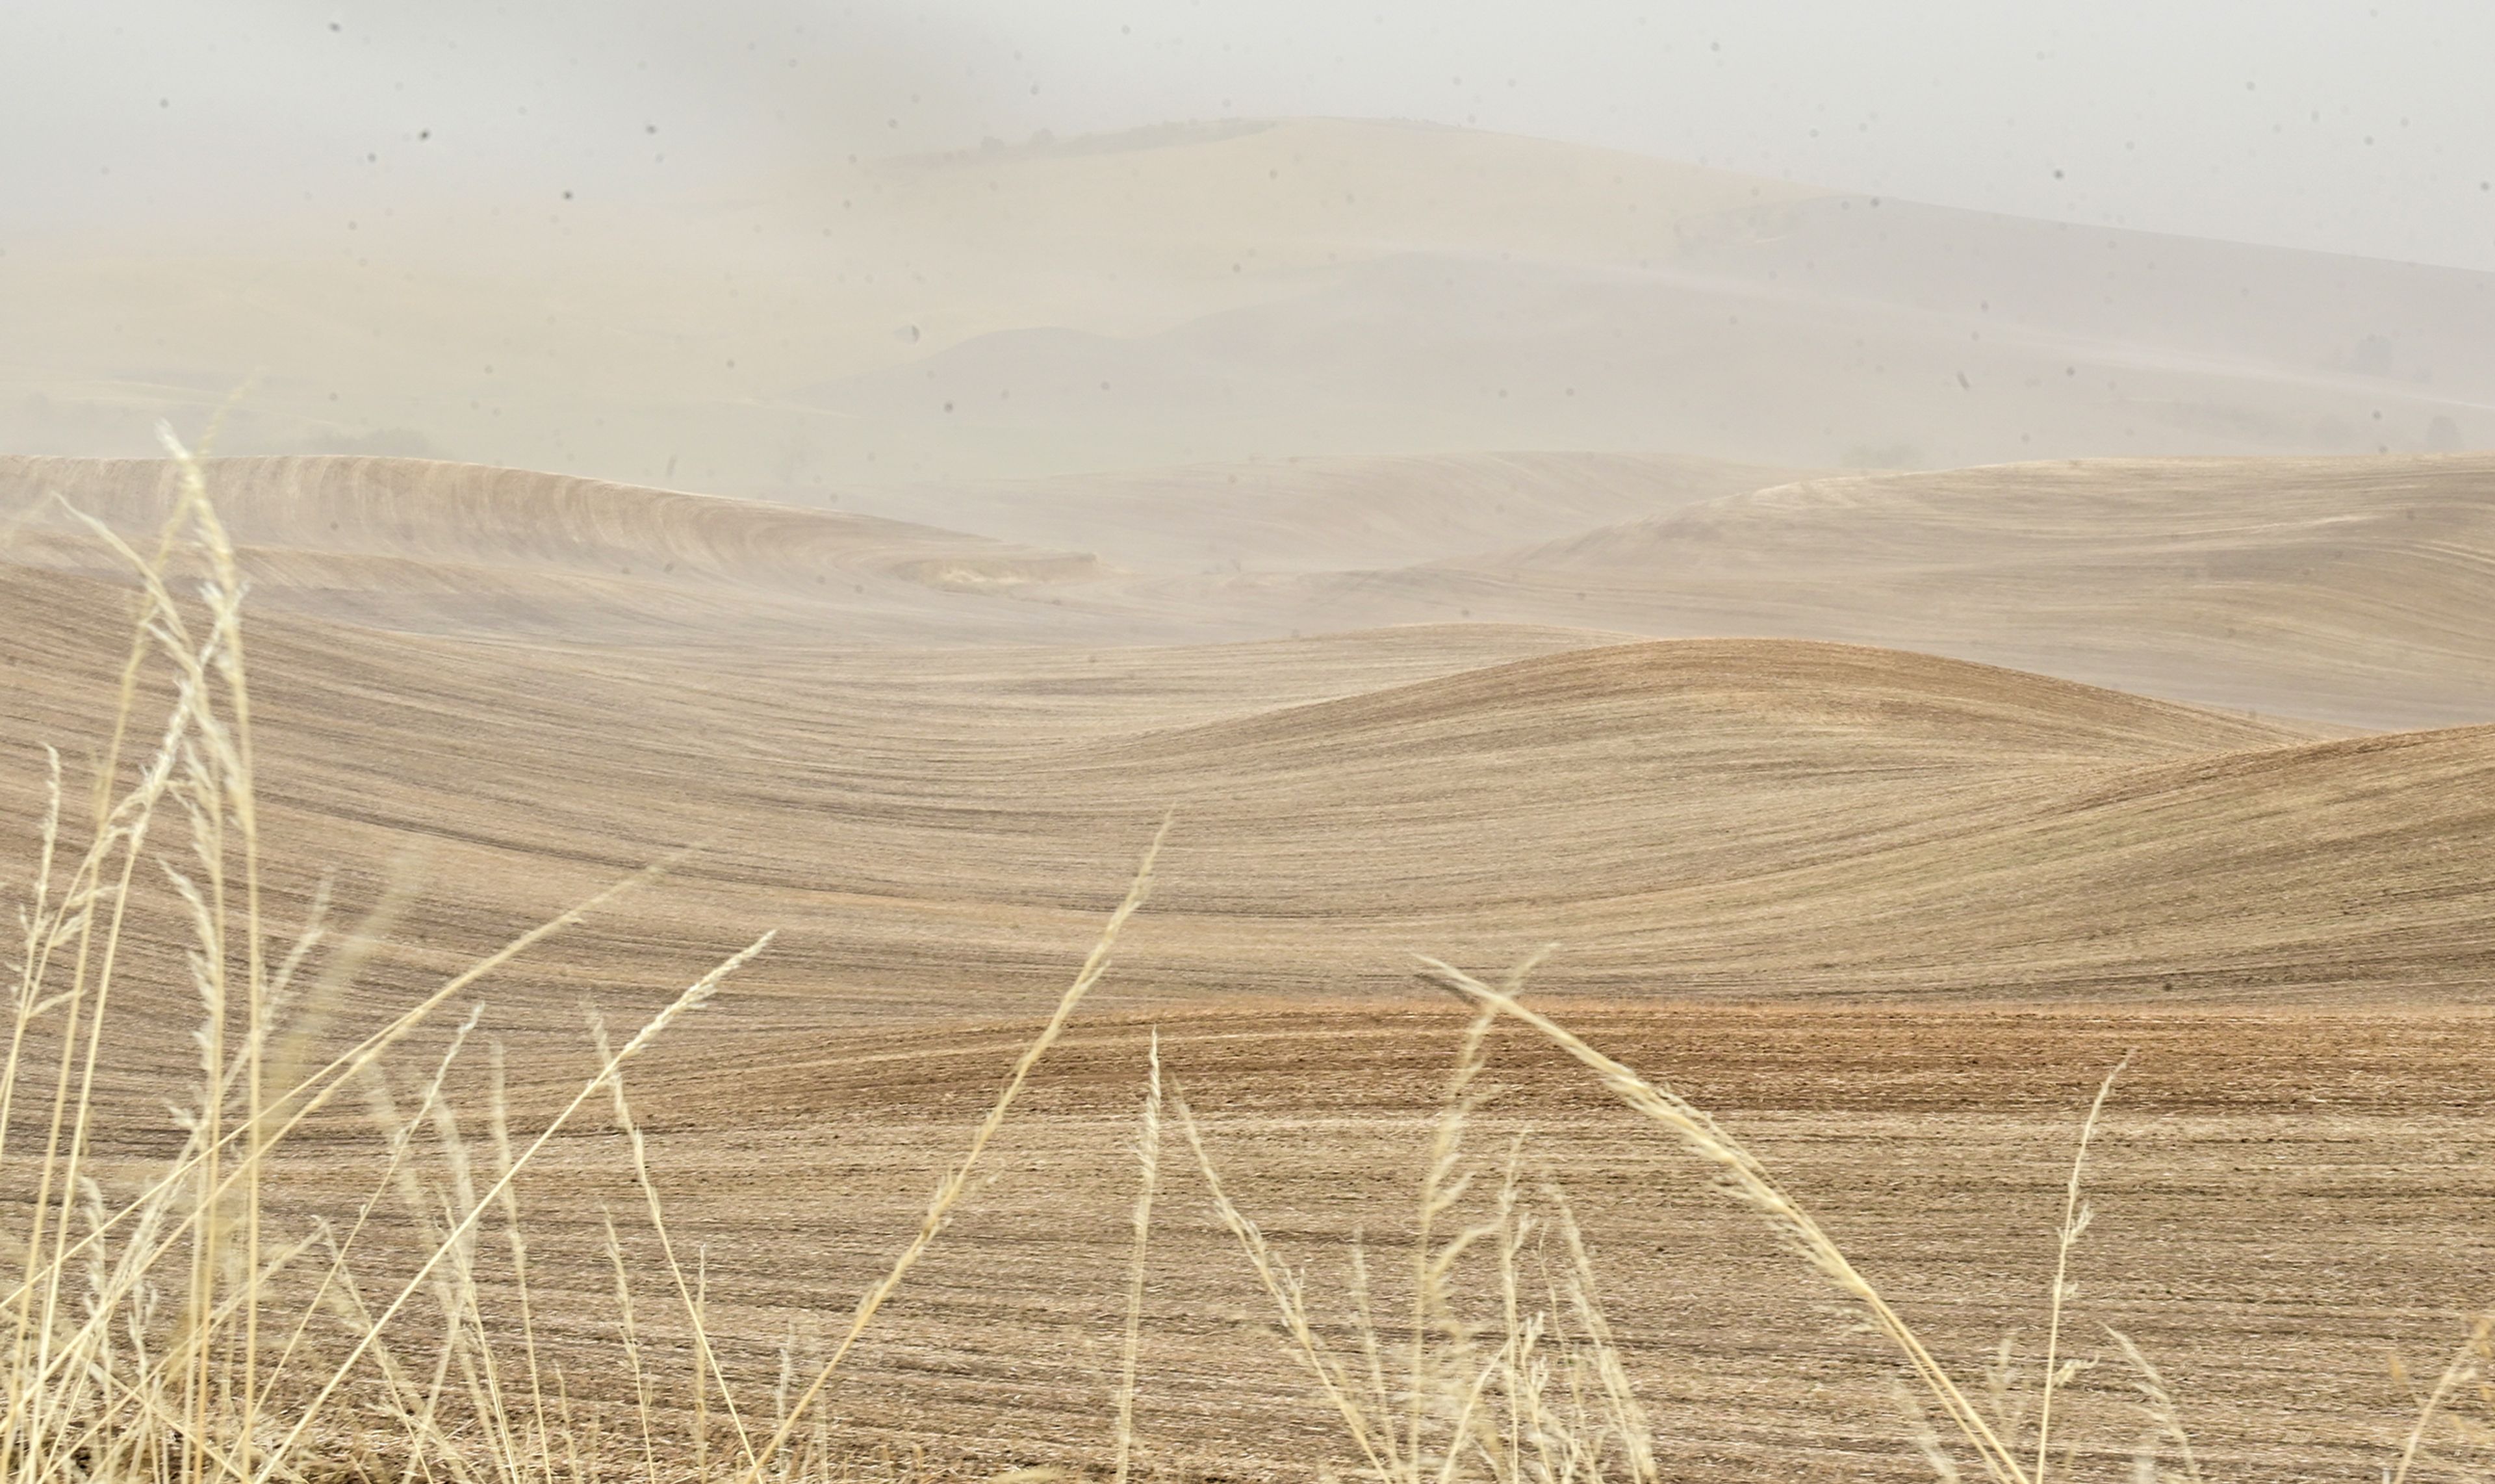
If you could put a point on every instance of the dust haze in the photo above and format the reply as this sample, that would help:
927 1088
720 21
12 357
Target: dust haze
1896 558
794 250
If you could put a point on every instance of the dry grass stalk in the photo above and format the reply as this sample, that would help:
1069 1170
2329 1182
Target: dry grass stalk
2472 1364
1434 1369
1625 1416
140 1347
2075 1216
514 1239
1747 1180
1148 1158
630 1334
695 997
2159 1402
706 1369
1286 1289
948 1192
1542 1404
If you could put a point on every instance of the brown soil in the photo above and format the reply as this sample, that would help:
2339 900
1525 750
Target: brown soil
2286 1201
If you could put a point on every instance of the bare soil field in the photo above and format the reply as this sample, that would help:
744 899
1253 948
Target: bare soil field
1880 815
2287 1200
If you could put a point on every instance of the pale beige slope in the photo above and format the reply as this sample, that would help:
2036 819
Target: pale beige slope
1318 513
2339 590
1779 816
435 546
420 510
2349 589
2340 870
414 543
2344 590
1757 707
864 799
1830 330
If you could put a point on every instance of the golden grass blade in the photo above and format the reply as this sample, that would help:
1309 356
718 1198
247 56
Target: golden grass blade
1747 1180
1372 1354
167 537
949 1192
1427 1376
1464 1428
399 1138
238 795
515 1239
693 998
318 1090
701 1323
1375 1443
2159 1402
2074 1222
341 966
2460 1371
705 1358
1610 1372
632 1345
1148 1158
1517 1350
1919 1432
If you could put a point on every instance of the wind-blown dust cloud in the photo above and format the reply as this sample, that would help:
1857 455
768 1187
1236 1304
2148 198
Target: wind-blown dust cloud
778 248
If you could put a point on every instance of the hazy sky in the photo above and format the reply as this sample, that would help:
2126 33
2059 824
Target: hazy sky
2342 125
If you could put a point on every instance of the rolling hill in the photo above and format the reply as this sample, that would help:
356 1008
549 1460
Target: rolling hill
1890 911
